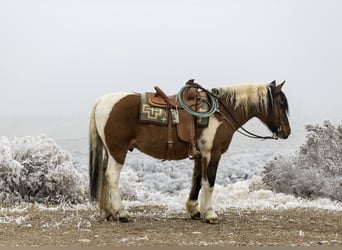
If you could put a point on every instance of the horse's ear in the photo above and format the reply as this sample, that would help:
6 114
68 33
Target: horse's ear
273 83
271 88
278 88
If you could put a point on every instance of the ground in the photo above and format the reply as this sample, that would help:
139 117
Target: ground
236 227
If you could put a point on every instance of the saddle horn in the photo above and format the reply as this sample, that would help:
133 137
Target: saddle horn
191 81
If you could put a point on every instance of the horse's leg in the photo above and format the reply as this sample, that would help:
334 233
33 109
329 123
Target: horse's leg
208 181
192 203
111 199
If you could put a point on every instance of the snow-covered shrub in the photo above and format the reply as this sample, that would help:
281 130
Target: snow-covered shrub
35 169
315 170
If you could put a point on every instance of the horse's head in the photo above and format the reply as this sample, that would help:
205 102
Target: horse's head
276 118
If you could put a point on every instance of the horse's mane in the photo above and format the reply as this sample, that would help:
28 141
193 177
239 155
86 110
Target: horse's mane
247 96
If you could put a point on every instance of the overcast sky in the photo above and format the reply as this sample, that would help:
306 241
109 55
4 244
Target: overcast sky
57 57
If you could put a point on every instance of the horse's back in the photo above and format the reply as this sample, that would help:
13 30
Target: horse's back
105 104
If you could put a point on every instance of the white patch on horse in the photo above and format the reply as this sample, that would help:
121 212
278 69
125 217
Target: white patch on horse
206 140
205 143
192 207
205 202
113 202
103 109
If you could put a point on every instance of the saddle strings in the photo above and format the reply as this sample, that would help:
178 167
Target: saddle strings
245 131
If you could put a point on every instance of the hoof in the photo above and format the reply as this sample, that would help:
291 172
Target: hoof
125 219
210 216
212 221
109 218
196 216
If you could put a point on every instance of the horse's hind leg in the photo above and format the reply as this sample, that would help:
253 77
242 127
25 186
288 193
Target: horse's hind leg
110 200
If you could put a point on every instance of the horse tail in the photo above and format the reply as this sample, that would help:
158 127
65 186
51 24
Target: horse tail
98 158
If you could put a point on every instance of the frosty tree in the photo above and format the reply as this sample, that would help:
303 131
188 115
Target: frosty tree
36 169
315 170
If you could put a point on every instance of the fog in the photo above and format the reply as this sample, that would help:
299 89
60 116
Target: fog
58 57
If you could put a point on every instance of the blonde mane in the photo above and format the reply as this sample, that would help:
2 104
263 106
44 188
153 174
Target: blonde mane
247 96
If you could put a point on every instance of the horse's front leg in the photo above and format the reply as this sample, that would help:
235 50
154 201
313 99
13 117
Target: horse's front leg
208 182
192 203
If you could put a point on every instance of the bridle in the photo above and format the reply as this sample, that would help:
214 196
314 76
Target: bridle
243 131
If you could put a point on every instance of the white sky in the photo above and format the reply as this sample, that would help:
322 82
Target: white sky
57 57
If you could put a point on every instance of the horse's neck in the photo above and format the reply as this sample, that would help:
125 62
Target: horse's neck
238 116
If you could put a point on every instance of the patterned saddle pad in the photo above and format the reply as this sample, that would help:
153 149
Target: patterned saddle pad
158 116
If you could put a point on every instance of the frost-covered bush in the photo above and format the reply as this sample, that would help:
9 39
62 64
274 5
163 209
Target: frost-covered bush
35 169
315 170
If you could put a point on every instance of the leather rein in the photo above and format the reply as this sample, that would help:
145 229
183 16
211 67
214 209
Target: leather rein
244 131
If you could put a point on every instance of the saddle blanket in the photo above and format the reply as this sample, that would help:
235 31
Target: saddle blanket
158 116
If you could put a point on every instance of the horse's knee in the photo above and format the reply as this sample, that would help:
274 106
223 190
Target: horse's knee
211 181
211 175
196 181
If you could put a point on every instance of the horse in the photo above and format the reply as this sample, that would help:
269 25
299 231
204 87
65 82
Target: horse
115 128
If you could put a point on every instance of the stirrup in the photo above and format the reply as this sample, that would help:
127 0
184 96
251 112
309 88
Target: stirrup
194 153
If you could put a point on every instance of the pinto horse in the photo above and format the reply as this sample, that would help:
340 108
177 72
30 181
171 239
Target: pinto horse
115 128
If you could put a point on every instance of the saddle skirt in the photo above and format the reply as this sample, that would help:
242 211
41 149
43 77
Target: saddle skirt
153 110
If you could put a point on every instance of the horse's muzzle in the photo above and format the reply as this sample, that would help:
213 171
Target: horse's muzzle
283 133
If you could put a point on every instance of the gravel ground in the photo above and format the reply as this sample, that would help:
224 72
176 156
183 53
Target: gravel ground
236 227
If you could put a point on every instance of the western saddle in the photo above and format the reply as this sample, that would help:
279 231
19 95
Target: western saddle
186 127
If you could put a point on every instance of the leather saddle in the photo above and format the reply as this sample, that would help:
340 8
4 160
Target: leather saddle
186 127
191 97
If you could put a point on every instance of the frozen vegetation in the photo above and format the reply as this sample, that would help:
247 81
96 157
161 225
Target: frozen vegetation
36 169
315 170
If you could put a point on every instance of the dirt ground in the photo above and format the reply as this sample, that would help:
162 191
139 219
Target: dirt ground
236 227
